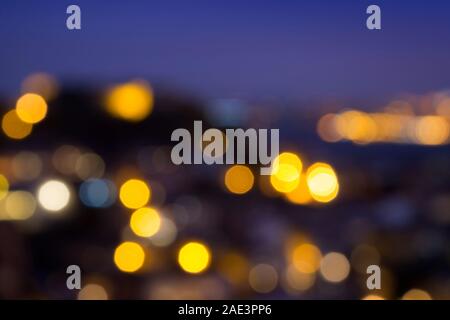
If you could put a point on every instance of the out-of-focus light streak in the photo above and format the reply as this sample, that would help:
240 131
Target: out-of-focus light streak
392 126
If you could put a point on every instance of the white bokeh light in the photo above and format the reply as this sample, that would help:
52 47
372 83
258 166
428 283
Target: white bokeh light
53 195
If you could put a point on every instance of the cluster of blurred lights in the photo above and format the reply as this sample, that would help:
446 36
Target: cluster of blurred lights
319 183
365 128
30 109
147 223
134 102
53 196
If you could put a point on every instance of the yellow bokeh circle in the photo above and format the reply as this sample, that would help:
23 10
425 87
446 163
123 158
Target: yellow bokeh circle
134 194
129 256
14 127
322 182
145 222
239 179
131 101
286 171
31 108
194 257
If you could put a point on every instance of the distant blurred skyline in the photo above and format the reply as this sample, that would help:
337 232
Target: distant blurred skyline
271 49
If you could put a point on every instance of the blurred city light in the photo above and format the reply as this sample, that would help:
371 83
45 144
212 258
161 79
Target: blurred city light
134 194
131 101
31 108
14 127
129 256
306 258
416 294
322 182
194 257
239 179
334 267
263 278
20 205
53 195
286 171
145 222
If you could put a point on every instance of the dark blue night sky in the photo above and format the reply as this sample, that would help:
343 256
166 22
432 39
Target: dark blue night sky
235 48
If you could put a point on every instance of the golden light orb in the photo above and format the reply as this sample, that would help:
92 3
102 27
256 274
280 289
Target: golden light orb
145 222
239 179
31 108
194 257
306 258
416 294
14 127
432 130
134 194
286 171
4 186
322 182
20 205
373 297
300 195
93 291
129 256
131 101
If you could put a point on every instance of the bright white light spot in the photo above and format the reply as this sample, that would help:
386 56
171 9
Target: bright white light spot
54 195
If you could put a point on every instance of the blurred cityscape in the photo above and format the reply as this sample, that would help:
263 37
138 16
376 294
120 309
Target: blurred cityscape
87 179
86 176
